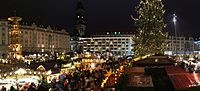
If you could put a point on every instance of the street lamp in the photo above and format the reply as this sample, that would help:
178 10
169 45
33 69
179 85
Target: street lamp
175 20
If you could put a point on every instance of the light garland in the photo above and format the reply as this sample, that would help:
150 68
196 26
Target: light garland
149 39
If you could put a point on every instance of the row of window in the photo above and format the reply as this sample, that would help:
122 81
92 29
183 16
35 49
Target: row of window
178 41
105 39
183 45
34 45
112 51
107 48
4 23
105 45
39 34
180 49
117 48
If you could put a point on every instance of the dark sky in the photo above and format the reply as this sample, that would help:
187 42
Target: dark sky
100 14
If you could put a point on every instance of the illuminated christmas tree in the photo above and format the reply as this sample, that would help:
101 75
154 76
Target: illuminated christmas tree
150 37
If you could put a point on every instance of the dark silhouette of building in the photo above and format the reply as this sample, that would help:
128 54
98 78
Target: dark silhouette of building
80 23
79 28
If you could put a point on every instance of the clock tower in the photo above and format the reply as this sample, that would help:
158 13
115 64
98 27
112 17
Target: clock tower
80 24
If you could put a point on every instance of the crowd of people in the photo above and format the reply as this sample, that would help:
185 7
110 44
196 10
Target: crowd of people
80 78
83 78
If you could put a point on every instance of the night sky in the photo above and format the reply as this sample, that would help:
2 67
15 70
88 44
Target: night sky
101 14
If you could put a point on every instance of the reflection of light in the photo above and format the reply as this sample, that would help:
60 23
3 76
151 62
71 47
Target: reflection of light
196 77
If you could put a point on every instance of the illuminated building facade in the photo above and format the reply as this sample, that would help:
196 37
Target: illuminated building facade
121 43
184 45
44 40
197 45
4 38
35 39
118 43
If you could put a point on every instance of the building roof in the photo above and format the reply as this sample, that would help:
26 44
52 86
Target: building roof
28 25
180 78
154 61
112 31
172 70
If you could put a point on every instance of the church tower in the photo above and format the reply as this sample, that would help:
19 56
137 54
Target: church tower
80 24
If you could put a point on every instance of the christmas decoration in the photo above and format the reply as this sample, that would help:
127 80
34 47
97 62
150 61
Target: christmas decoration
150 37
